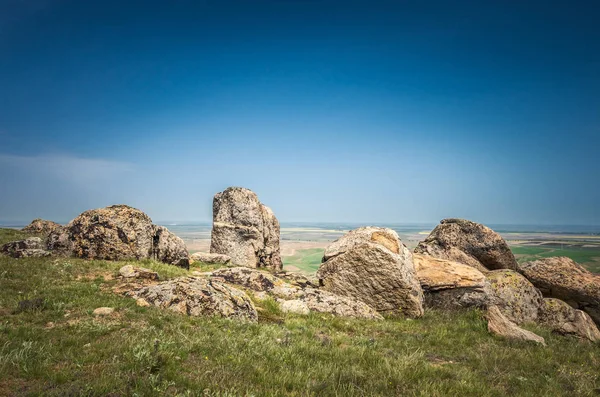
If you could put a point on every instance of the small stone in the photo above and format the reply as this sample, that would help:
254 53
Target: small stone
294 306
87 345
103 311
142 302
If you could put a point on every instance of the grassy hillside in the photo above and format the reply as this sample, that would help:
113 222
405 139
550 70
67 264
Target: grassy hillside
60 348
304 260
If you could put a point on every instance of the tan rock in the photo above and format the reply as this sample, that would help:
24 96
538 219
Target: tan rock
129 271
469 243
498 324
359 266
294 306
562 278
41 227
448 284
210 258
103 311
142 302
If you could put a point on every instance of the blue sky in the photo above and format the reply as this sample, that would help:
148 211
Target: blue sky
350 111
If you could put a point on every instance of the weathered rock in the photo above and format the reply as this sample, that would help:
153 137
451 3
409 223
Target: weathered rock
196 296
565 320
448 284
210 258
129 271
169 248
31 247
385 237
294 306
118 232
469 243
514 296
299 280
498 324
245 230
42 227
103 311
562 278
373 266
266 284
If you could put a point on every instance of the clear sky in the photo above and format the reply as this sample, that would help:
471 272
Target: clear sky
349 111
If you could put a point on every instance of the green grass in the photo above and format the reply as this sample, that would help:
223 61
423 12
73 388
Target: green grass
61 349
587 257
7 235
306 260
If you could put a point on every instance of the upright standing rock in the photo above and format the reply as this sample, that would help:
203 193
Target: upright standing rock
372 265
245 229
470 243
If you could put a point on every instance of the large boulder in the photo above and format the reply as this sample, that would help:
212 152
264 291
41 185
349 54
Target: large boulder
514 296
245 229
118 232
470 243
499 325
562 278
31 247
41 227
197 296
294 295
372 265
565 320
448 284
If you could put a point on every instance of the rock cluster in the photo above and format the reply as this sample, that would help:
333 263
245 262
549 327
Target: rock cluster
294 297
214 259
510 298
245 229
118 232
372 265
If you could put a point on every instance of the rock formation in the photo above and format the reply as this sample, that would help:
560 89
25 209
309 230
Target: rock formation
565 320
118 232
196 296
514 296
372 265
31 247
245 230
41 227
448 284
296 296
469 243
498 324
562 278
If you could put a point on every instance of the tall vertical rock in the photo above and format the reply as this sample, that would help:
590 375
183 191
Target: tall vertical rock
245 229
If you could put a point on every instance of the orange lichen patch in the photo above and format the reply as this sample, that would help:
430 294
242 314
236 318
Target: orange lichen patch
387 241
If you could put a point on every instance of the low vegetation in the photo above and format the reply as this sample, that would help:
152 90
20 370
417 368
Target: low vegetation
54 345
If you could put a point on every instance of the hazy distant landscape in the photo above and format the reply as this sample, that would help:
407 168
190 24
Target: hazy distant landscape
302 244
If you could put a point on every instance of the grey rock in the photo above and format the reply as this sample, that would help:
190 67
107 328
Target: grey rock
196 296
31 247
245 229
